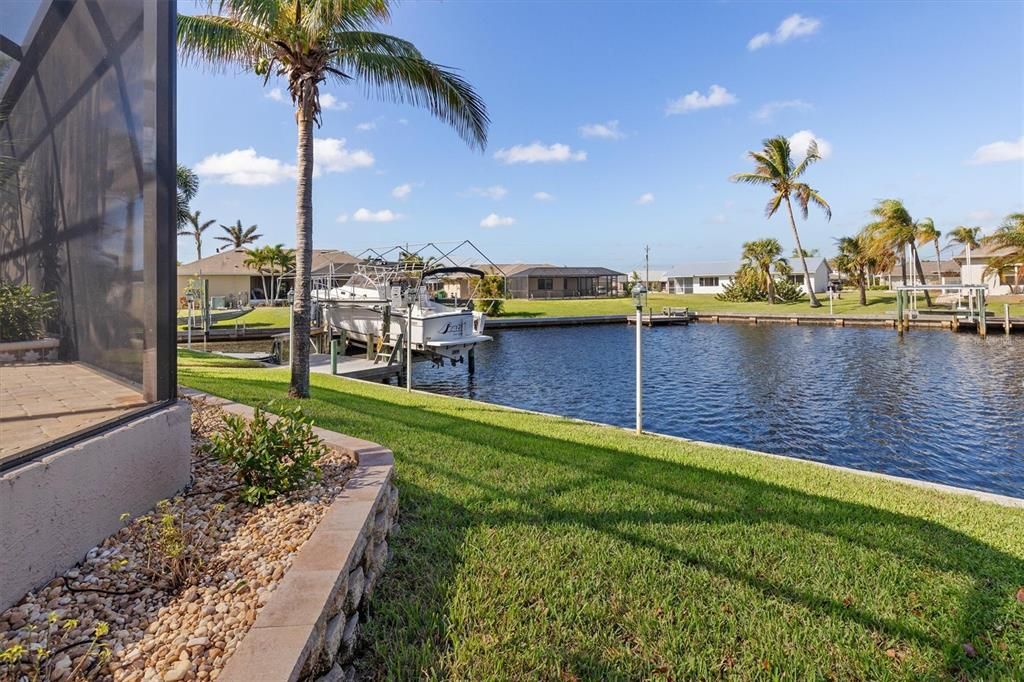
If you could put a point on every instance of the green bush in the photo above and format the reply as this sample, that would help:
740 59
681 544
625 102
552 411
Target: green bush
23 312
490 298
748 286
269 457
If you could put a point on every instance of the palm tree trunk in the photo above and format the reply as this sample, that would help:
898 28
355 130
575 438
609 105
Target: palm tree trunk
803 261
938 263
920 273
199 246
299 387
862 287
771 287
903 263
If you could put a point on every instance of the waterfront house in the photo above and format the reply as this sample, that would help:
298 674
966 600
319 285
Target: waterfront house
948 272
231 278
711 277
90 423
655 279
543 280
1009 280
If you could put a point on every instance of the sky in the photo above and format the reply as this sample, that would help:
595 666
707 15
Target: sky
617 125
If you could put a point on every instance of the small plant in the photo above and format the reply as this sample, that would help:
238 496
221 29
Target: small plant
38 661
173 549
490 298
23 312
269 457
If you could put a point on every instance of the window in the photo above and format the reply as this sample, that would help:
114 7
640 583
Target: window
545 283
708 281
796 279
1009 276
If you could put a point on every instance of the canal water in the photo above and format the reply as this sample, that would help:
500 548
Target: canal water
932 405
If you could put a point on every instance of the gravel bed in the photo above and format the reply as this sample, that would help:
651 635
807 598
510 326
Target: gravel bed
149 630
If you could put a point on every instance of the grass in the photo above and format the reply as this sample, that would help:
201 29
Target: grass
190 359
271 317
879 303
535 547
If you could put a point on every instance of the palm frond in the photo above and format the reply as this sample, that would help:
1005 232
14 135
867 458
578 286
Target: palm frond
812 157
220 42
320 17
751 178
419 82
773 204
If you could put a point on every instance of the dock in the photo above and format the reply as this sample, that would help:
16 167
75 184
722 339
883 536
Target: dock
353 367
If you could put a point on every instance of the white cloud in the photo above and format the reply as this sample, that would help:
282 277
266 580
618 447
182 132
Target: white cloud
329 101
717 97
331 156
768 110
342 218
539 153
645 198
607 131
801 140
244 167
365 215
276 95
997 152
495 220
369 125
793 26
402 191
543 196
492 192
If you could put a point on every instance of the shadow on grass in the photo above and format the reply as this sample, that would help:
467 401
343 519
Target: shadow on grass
458 475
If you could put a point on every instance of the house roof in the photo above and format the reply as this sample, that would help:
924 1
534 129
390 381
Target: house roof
659 274
509 269
720 268
232 262
984 251
949 267
565 271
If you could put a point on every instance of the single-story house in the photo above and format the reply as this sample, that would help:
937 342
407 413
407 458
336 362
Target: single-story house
654 279
230 277
710 277
947 272
543 280
1007 281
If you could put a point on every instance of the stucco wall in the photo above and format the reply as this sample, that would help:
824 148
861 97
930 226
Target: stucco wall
53 510
220 285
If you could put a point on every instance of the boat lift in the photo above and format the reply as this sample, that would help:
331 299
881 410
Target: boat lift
971 310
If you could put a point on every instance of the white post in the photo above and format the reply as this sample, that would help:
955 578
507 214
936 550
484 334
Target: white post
831 294
408 347
1006 317
190 325
639 375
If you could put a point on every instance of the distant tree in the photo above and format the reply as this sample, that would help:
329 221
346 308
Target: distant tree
194 228
806 253
764 257
308 42
239 236
281 262
260 261
968 238
188 186
1008 241
894 230
631 281
928 233
853 260
490 296
774 167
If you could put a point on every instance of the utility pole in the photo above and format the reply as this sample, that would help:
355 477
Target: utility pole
647 264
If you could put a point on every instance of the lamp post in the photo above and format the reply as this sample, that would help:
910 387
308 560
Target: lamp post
639 300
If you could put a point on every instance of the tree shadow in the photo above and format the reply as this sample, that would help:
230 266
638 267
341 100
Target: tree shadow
458 474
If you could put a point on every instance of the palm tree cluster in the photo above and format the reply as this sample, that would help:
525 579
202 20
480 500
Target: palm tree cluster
273 262
307 43
763 275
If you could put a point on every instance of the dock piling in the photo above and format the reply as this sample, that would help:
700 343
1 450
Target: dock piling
1006 317
334 357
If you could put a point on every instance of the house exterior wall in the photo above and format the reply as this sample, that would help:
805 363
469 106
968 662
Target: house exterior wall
693 285
220 285
976 275
562 287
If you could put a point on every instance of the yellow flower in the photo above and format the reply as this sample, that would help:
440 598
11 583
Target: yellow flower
102 628
70 624
12 654
52 617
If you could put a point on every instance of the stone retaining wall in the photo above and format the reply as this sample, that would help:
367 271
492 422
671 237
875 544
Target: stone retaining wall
309 627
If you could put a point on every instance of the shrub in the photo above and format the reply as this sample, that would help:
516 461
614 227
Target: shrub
269 457
173 548
748 285
22 312
489 296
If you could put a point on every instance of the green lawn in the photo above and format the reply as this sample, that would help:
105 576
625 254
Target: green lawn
534 547
879 303
190 359
257 317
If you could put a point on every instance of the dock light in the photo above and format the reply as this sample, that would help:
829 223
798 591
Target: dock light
639 300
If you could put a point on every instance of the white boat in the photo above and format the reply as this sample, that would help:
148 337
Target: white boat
374 305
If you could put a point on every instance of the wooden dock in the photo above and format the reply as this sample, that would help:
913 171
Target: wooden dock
353 367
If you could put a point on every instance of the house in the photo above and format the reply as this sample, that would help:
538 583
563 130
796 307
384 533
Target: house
655 279
533 280
710 277
947 272
1007 281
231 278
96 429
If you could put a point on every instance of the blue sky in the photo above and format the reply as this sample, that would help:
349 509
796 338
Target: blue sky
924 102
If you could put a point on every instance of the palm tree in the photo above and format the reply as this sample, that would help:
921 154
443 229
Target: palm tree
764 256
1008 244
281 262
308 42
854 259
774 167
927 232
239 236
196 231
894 231
968 237
188 186
259 260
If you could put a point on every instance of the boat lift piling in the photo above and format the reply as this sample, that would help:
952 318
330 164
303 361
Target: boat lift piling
974 313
